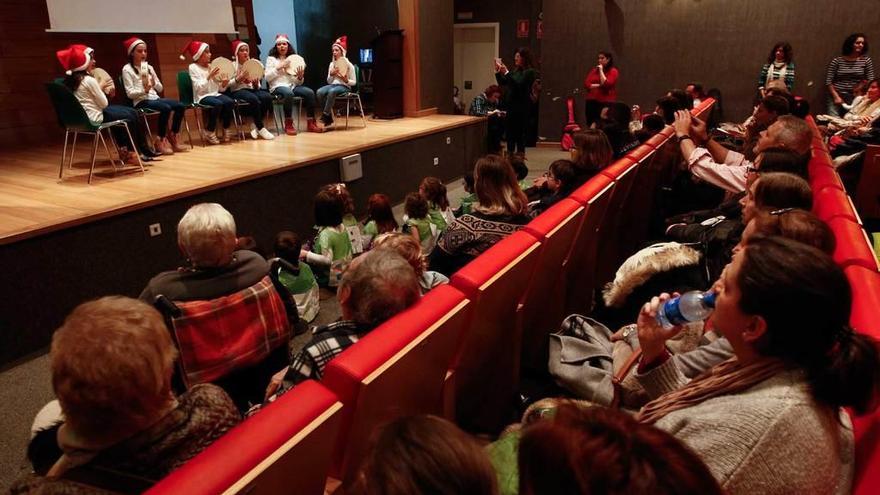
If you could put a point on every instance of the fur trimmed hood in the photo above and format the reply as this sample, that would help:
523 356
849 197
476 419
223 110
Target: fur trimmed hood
643 265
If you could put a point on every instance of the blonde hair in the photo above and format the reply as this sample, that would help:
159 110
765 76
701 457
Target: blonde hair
206 233
497 189
406 246
111 364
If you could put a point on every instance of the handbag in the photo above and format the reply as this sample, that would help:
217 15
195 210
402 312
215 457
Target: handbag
582 360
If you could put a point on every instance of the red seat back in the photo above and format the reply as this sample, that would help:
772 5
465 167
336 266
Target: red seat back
580 273
831 202
287 444
486 367
853 246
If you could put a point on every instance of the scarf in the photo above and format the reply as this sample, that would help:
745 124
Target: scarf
773 73
726 378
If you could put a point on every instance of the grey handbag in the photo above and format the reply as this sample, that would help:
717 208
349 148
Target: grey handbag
580 359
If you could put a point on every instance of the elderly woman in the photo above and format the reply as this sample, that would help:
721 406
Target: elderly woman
119 414
206 236
770 419
501 211
864 110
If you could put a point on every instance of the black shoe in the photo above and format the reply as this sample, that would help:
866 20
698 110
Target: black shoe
326 119
145 158
150 153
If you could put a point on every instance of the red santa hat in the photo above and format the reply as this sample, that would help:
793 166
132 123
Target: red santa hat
236 45
75 58
342 43
131 43
195 49
282 38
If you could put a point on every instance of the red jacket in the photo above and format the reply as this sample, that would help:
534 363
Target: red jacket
607 92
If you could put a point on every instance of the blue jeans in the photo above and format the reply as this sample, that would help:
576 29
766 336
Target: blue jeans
327 96
223 106
130 115
165 106
303 92
259 102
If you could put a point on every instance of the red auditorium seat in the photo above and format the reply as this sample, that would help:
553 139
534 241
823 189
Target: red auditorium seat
580 274
853 246
656 140
624 173
285 448
486 368
397 369
544 302
865 283
831 202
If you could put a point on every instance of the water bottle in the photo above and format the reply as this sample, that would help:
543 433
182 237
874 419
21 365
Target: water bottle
690 306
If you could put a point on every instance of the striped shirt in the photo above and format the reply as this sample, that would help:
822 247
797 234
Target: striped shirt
845 74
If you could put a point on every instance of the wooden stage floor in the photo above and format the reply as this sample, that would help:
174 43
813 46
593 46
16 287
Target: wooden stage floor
33 201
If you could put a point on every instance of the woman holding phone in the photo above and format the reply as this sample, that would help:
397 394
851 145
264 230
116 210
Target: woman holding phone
517 85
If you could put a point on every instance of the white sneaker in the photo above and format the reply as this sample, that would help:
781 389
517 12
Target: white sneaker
254 133
211 137
265 134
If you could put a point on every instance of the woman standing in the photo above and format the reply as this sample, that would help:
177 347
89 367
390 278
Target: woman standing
517 86
601 86
340 79
847 71
286 85
142 86
245 87
779 66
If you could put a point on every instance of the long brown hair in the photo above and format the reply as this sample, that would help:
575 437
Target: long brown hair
379 209
496 187
435 192
601 450
425 455
593 151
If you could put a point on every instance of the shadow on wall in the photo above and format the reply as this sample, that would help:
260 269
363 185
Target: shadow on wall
616 27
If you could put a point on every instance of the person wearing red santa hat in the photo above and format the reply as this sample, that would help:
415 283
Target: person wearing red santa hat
208 91
338 81
288 85
78 61
142 86
245 87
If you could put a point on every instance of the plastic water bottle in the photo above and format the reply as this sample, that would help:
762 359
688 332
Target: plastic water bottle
690 306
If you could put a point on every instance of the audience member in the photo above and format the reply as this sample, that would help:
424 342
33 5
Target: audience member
591 153
434 192
779 67
793 372
380 219
685 102
206 236
418 224
486 105
560 181
427 455
666 108
846 71
300 281
407 247
615 124
119 415
517 97
521 170
501 210
349 221
766 113
651 125
468 201
695 91
332 249
377 286
864 110
595 450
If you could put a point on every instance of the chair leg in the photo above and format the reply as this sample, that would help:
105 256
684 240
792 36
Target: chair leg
239 122
347 111
136 153
277 116
361 108
147 125
72 150
107 149
299 114
94 153
199 115
188 133
63 154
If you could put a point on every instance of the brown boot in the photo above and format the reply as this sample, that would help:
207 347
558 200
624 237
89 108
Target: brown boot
313 126
165 147
175 144
289 129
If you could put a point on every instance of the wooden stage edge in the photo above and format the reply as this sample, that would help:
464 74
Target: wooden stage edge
34 202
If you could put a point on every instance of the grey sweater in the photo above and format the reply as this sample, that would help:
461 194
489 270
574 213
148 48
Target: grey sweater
770 439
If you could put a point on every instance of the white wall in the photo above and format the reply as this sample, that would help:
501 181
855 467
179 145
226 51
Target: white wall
137 16
274 17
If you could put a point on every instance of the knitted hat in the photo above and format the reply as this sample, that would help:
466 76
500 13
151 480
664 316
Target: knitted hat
195 49
131 43
342 43
282 38
236 45
75 58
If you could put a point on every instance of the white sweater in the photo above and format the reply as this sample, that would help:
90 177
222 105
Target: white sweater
202 86
350 81
234 85
770 439
134 84
276 76
92 99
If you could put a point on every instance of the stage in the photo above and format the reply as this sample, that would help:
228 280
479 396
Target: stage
64 242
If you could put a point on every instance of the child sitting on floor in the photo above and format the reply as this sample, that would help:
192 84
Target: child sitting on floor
332 249
439 212
301 283
411 251
467 202
380 219
349 221
418 224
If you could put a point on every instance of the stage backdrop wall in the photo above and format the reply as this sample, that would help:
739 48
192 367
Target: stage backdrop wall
274 17
661 44
435 54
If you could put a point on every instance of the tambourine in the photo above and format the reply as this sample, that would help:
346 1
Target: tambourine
227 70
253 69
296 62
342 65
102 76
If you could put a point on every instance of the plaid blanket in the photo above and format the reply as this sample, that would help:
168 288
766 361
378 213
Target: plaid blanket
230 332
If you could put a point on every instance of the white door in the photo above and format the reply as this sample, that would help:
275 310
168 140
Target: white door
476 47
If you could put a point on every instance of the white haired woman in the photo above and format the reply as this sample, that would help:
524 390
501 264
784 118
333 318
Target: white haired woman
206 236
119 413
